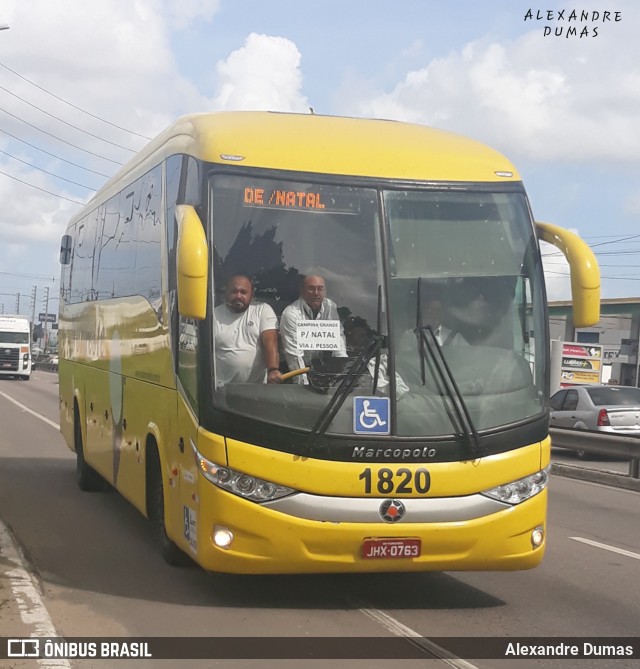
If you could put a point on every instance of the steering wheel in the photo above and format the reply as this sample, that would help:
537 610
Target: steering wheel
295 372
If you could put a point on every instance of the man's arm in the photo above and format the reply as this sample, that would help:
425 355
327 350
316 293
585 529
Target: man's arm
272 357
292 353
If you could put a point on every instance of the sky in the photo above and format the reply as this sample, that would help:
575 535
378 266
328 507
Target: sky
83 85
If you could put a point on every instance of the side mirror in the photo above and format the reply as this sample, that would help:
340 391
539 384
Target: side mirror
66 244
192 260
585 273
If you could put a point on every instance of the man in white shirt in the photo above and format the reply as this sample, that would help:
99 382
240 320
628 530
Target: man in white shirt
312 305
246 337
433 317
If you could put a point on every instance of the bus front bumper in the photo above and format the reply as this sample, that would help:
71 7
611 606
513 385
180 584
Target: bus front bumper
263 540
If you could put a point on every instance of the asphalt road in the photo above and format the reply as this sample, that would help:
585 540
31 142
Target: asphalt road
94 560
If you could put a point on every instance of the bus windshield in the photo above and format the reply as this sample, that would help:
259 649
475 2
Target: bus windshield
429 299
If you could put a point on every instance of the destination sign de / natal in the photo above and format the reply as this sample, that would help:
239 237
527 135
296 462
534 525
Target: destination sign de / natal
315 198
285 199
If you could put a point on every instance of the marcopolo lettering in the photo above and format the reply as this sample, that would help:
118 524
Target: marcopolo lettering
421 452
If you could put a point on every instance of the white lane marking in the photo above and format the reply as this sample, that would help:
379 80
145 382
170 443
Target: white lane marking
31 411
606 547
33 612
396 627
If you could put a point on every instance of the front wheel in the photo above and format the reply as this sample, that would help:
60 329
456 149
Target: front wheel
171 554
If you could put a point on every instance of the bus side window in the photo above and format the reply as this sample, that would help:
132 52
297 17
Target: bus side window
187 358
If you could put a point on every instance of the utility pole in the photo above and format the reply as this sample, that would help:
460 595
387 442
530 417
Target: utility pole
17 303
33 306
46 316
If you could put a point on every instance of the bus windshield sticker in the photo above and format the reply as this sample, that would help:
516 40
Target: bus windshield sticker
371 415
190 526
318 335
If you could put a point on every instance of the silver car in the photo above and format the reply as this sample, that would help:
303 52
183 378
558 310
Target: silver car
614 409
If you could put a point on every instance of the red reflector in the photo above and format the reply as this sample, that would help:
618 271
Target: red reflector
603 418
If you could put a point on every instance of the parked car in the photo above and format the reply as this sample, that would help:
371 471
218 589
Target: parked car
613 409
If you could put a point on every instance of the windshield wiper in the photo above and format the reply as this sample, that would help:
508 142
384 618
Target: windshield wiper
357 368
427 338
378 329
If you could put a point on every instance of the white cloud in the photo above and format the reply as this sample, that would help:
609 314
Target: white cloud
263 74
181 14
556 273
632 206
116 59
547 98
112 58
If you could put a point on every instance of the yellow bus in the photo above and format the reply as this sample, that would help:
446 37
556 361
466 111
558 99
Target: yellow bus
405 451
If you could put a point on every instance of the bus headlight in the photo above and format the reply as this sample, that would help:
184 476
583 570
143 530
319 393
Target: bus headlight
520 490
239 483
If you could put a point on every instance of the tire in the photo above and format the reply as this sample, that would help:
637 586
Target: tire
88 478
171 554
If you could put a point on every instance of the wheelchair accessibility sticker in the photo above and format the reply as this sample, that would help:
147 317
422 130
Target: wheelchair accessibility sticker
371 415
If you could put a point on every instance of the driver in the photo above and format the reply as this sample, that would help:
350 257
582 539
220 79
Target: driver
476 305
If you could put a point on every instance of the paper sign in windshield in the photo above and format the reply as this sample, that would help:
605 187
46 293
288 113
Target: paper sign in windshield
318 335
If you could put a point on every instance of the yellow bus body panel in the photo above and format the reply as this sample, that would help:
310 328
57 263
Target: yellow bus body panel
326 477
320 145
269 541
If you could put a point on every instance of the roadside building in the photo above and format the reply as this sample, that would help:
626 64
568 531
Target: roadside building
618 332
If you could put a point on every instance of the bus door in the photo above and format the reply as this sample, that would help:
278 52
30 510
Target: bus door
184 490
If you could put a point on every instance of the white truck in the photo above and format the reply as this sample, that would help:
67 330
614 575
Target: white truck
15 347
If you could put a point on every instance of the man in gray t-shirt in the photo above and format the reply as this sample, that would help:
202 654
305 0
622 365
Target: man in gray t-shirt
246 337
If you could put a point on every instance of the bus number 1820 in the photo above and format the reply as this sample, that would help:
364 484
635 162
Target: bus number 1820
402 481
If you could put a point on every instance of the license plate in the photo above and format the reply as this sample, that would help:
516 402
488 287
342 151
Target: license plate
7 364
390 549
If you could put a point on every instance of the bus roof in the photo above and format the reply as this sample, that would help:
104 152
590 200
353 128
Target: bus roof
323 144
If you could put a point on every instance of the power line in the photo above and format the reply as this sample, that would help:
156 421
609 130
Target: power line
59 138
599 236
616 241
557 254
84 111
26 183
28 276
53 155
75 183
622 278
71 125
